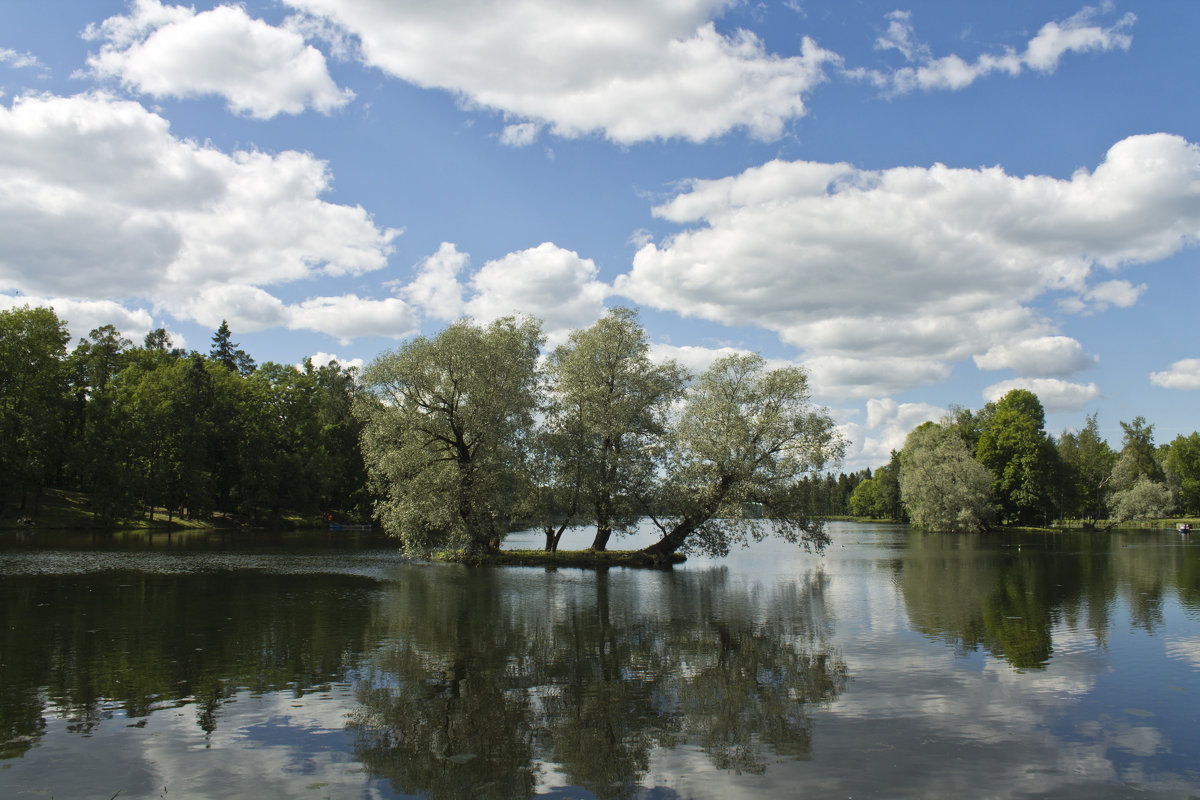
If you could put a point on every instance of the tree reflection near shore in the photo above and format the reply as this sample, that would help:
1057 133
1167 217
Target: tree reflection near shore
488 673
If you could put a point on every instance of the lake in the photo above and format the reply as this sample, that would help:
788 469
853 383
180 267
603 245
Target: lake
894 664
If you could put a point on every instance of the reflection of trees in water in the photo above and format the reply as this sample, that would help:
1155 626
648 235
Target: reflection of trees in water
127 643
489 672
1006 594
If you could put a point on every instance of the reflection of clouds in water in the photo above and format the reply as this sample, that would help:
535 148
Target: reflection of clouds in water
962 720
1140 740
264 746
1186 649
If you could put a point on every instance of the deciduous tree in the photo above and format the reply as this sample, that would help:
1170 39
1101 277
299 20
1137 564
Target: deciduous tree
446 431
745 436
943 487
606 420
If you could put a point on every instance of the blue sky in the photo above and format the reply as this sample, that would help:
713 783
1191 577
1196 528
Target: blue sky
925 204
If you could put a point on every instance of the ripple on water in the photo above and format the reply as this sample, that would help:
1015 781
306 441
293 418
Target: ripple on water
374 563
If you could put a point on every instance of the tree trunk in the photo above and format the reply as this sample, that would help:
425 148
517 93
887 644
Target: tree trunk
602 537
553 537
674 540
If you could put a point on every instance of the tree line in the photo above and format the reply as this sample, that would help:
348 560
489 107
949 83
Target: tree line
450 441
140 428
975 469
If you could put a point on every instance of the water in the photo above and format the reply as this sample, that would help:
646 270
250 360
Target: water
892 665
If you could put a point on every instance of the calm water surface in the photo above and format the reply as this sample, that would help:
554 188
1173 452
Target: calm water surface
892 665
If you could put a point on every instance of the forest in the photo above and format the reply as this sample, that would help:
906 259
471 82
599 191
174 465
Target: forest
140 430
452 440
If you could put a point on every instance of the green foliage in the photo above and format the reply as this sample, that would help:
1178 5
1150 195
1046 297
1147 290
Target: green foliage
1022 459
446 433
864 500
1144 499
1088 462
606 423
745 436
139 428
33 396
1138 455
1182 465
943 487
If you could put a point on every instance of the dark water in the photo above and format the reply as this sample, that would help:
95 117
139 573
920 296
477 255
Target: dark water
892 665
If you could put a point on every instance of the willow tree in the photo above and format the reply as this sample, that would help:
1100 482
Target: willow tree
745 435
606 423
943 487
446 426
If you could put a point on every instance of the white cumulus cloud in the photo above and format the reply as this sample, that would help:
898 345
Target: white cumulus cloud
1046 356
174 51
549 282
886 278
629 70
83 316
1056 395
887 425
321 359
99 201
1184 374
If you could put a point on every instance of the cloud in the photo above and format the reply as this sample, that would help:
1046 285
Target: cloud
436 289
1077 34
888 424
1045 356
630 71
885 278
697 358
83 316
173 51
17 60
321 359
99 201
349 316
521 134
1183 374
548 282
1056 395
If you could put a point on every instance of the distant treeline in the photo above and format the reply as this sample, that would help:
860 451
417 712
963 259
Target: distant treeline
998 465
839 496
137 428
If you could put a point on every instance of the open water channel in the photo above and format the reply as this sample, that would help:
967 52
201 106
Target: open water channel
894 664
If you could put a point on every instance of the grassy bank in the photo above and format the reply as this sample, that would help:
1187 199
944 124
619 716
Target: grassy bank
73 510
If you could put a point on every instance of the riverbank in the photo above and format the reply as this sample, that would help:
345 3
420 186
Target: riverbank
61 510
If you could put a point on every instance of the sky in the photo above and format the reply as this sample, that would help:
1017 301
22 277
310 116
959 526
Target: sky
925 204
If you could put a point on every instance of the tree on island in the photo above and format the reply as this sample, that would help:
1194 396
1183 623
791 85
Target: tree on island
745 436
1182 465
1139 489
447 423
606 424
453 452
